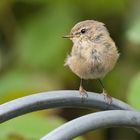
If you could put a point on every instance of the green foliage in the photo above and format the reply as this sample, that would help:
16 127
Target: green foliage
28 127
134 92
133 36
41 40
14 80
17 83
133 33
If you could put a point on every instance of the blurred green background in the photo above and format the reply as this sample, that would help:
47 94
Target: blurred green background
32 54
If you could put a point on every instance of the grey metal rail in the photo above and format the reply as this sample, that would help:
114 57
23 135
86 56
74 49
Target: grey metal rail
57 99
94 121
71 98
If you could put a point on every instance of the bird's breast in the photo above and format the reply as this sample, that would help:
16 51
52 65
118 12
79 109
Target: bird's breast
92 62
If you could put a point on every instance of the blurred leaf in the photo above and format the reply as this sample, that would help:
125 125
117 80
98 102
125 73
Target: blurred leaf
40 45
79 138
133 23
133 34
29 126
134 92
4 4
102 7
17 83
32 1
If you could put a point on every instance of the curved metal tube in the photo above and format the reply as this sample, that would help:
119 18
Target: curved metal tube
55 99
94 121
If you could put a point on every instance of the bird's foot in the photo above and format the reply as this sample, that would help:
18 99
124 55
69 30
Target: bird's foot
107 97
83 92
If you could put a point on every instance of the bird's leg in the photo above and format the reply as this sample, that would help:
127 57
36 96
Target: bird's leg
82 91
107 97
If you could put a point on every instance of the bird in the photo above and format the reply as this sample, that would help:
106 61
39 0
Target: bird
93 55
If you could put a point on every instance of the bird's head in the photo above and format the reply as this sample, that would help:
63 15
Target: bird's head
86 31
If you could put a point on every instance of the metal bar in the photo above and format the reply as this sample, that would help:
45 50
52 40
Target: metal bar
94 121
56 99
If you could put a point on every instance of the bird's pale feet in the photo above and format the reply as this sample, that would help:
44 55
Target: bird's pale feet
107 97
83 92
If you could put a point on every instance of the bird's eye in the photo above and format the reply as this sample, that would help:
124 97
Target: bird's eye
83 31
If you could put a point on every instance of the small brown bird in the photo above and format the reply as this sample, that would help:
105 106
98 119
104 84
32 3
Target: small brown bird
93 54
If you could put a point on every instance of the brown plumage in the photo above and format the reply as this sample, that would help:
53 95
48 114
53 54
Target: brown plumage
93 54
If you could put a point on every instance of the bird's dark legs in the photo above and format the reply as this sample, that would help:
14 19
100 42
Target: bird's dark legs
107 97
82 91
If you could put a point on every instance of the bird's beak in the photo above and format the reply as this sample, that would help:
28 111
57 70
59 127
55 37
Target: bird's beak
68 36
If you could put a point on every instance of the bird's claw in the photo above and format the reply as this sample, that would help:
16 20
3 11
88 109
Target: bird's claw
107 97
83 92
